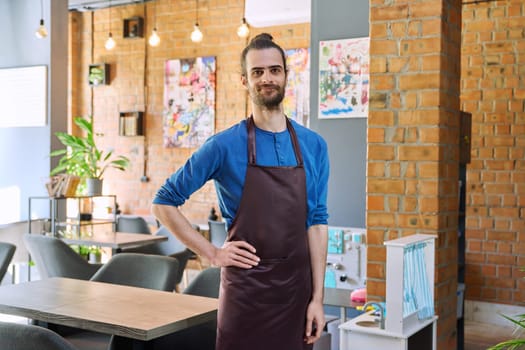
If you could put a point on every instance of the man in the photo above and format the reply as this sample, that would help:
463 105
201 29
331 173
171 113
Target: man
271 179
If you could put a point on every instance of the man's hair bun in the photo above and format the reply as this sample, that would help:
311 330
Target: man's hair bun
262 36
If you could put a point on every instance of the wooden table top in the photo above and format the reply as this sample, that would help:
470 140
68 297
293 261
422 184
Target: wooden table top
131 312
115 240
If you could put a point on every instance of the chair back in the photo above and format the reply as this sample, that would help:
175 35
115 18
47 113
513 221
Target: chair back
7 250
18 336
172 245
206 283
202 336
54 258
140 270
218 232
132 224
174 248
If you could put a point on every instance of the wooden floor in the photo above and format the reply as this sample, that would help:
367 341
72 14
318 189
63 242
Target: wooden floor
480 336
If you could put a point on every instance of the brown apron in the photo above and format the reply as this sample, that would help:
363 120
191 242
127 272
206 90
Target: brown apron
264 308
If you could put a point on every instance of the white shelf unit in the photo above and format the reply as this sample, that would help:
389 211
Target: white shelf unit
396 321
402 332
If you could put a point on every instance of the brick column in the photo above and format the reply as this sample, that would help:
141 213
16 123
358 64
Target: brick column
413 125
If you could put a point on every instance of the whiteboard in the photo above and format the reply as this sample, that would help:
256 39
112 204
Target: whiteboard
23 96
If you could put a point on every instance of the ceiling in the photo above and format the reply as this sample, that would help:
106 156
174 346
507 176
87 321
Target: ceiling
258 13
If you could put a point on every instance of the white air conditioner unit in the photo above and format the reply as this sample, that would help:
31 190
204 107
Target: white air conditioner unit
92 5
267 13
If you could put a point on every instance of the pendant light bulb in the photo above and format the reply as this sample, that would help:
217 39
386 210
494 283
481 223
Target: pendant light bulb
196 35
243 30
41 32
110 43
154 38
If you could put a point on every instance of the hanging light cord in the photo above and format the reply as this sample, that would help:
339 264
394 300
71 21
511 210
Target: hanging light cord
154 15
41 9
197 12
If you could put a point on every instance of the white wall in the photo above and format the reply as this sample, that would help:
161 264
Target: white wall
24 151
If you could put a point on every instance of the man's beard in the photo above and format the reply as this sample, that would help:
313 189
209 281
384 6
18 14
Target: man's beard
270 102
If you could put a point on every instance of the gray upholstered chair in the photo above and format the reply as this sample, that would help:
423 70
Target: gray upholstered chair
17 336
206 283
140 270
132 224
218 232
201 337
7 250
172 247
54 258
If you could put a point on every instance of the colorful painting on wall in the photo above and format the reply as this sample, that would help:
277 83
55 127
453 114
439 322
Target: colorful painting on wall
189 101
343 78
297 95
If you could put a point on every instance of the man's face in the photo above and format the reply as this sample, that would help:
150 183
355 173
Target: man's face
265 77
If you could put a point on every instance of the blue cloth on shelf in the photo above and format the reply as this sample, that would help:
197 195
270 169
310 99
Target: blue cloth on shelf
417 296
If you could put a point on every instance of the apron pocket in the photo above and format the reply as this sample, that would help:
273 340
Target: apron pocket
275 280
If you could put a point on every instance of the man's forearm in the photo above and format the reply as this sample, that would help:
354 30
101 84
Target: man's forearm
172 218
317 243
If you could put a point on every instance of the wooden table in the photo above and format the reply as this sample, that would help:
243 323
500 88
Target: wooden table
115 240
131 312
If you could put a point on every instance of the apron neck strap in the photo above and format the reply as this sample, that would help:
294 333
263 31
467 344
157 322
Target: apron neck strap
252 153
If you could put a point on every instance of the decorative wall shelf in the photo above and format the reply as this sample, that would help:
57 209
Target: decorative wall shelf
131 123
133 27
98 74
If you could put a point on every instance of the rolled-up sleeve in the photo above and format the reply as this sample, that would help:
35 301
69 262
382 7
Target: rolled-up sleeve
318 214
197 170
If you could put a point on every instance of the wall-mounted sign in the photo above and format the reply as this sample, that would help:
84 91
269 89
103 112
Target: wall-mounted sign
23 96
344 78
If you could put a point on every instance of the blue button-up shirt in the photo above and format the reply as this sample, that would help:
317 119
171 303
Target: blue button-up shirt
224 159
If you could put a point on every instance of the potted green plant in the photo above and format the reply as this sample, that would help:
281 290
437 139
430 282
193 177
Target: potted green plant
95 255
97 74
83 158
517 343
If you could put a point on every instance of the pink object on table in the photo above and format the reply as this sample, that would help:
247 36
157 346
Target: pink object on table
358 295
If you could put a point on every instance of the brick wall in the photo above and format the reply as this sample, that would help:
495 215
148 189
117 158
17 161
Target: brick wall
137 84
493 90
412 171
413 124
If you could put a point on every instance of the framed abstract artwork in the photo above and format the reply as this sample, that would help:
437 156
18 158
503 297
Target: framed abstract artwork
296 102
344 78
189 101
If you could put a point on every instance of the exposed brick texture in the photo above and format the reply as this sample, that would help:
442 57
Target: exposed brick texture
492 84
137 84
412 172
